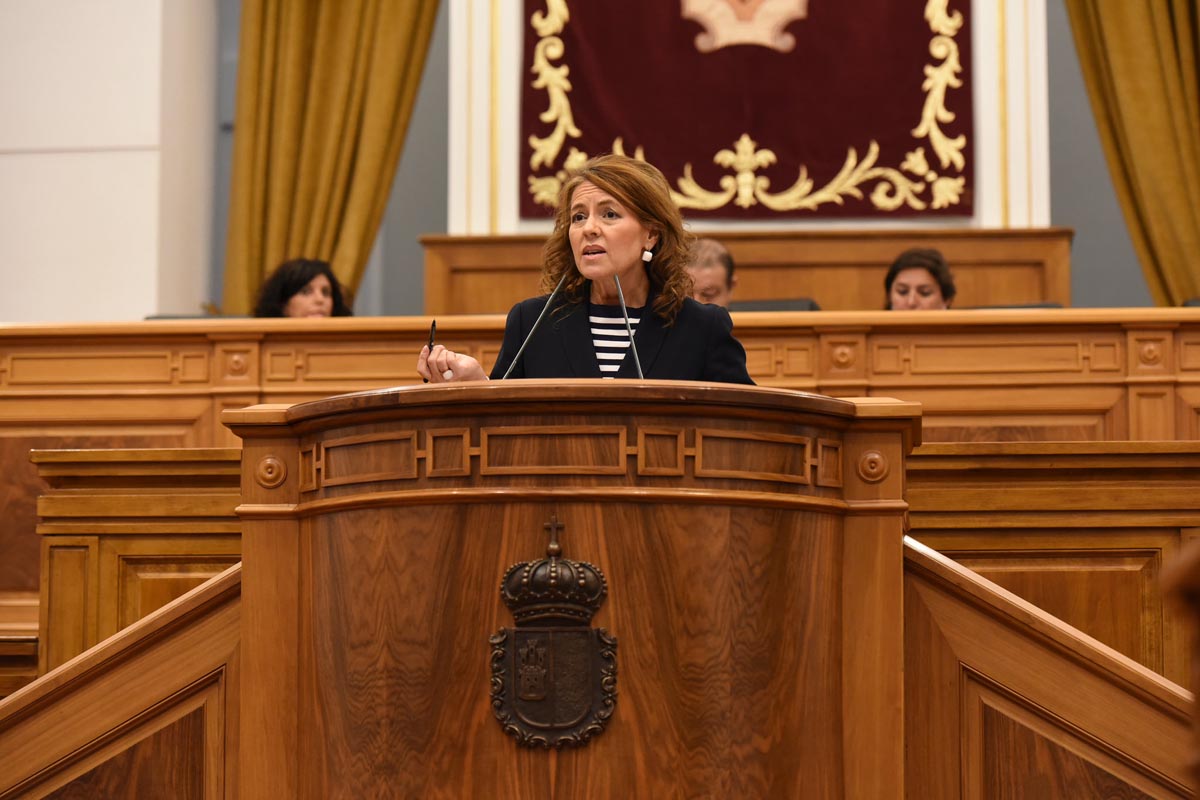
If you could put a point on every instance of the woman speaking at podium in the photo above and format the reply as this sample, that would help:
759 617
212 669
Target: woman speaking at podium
619 302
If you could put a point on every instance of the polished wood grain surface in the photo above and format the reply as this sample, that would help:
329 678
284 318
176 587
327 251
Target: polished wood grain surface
724 663
168 763
150 712
1081 530
1019 762
842 270
1183 582
754 659
1003 700
126 531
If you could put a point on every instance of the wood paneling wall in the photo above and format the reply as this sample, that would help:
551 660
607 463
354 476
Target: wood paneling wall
1015 375
1082 530
841 270
126 531
1004 701
151 712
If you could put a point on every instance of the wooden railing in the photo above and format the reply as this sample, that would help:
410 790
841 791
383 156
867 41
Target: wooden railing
1003 700
150 712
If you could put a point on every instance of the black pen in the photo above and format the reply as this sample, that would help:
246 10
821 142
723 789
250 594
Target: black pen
432 333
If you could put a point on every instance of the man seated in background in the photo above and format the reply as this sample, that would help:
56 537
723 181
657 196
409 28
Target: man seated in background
712 273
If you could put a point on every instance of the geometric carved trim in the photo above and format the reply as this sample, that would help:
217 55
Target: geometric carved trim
872 466
964 356
282 365
359 459
270 472
571 450
774 457
1104 357
448 452
829 463
799 360
1189 355
660 452
108 368
980 357
760 360
308 469
553 450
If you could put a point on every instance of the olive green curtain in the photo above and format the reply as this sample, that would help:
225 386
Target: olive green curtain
1139 63
325 91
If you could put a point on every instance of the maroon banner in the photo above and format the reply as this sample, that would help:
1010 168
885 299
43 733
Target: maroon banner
756 109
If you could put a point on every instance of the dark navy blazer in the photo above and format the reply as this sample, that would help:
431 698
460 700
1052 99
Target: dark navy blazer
698 347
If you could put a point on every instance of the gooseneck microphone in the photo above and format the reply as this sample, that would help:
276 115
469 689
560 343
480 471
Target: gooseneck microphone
637 362
536 323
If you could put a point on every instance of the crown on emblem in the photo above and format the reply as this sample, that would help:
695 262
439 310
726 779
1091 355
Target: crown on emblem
553 589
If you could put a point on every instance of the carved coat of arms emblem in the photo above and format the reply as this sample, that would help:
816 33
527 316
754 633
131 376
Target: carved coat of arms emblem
554 677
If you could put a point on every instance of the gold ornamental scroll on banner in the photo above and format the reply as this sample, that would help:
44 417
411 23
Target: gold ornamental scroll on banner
756 109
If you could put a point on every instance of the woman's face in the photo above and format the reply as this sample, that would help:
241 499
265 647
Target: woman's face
315 299
606 239
915 288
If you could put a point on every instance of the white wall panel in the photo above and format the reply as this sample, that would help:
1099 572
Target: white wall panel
188 150
78 236
79 74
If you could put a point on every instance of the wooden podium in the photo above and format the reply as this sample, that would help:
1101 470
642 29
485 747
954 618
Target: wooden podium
752 544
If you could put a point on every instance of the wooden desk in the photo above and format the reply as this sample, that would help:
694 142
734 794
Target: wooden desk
841 270
1017 375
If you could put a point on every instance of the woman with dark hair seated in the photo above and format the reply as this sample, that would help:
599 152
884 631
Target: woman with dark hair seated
919 280
302 287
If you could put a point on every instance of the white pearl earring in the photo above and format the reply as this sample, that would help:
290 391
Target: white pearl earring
647 255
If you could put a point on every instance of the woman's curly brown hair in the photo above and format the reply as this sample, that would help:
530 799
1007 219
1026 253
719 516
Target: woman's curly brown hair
645 193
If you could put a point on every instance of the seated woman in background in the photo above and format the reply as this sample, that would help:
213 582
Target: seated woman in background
615 220
919 280
302 287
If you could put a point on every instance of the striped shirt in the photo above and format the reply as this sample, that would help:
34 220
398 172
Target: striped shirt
609 336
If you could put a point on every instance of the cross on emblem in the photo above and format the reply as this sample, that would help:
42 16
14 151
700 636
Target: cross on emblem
554 527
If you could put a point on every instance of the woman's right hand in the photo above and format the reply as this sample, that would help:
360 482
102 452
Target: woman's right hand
445 366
